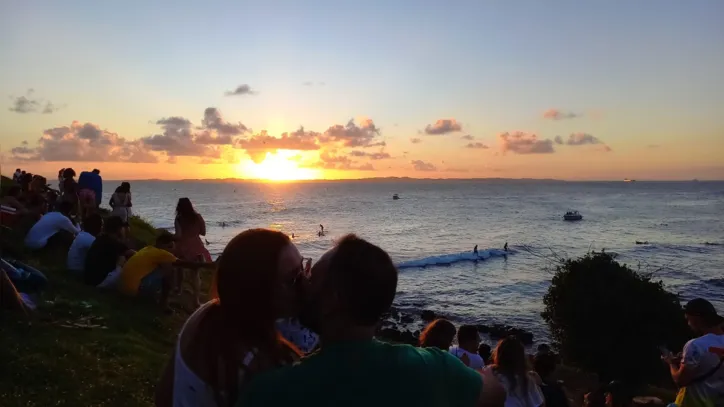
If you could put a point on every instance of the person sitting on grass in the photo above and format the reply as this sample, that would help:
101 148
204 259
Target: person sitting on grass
467 348
228 340
438 334
350 289
56 225
106 255
92 226
150 271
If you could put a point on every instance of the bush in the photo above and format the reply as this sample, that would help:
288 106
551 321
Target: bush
609 319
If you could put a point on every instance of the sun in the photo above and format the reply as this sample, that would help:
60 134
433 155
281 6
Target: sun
277 167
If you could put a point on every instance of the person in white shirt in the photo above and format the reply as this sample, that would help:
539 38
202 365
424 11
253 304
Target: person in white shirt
467 347
92 226
49 225
699 372
510 365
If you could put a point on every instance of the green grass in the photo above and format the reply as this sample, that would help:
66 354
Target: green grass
52 356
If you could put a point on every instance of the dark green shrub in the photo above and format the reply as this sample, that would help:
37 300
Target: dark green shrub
609 319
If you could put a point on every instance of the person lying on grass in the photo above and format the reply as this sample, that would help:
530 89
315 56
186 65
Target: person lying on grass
150 271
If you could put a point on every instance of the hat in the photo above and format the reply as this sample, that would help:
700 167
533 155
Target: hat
700 307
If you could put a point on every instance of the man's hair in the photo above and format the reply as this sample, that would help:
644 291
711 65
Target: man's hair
364 277
93 224
544 347
113 225
468 333
164 238
96 171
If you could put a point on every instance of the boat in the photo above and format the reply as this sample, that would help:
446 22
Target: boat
629 180
395 197
572 215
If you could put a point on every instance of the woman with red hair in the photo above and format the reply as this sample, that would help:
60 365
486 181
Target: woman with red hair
229 339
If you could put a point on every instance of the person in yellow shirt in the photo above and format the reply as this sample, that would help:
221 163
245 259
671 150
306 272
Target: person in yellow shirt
150 270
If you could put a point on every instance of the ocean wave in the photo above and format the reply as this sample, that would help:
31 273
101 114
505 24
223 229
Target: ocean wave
448 259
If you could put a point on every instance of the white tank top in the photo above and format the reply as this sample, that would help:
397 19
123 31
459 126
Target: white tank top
188 389
476 362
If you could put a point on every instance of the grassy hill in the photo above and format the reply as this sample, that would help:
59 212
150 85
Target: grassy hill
82 347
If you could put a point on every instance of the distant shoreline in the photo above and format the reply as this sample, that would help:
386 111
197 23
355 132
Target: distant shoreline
405 179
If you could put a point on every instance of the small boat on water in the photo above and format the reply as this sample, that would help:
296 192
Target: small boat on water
629 180
572 215
395 197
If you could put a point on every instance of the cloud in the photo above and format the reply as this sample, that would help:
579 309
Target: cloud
476 145
555 114
27 104
214 121
420 165
443 126
580 139
353 135
260 144
332 161
372 156
468 137
312 83
524 143
415 140
181 138
241 90
84 142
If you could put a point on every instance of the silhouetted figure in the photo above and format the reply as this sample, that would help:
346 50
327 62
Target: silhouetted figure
475 250
505 246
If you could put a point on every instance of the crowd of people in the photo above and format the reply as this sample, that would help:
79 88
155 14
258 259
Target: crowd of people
279 330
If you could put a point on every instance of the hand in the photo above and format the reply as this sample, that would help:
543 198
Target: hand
672 359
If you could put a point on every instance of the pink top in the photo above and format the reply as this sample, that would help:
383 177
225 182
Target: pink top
188 244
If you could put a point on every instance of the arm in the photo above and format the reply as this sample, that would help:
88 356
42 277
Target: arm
682 367
177 228
202 229
68 225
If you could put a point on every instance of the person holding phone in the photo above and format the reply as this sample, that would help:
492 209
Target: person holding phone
698 372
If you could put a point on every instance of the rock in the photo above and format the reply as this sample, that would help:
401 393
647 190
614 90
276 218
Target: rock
394 335
428 316
499 331
407 319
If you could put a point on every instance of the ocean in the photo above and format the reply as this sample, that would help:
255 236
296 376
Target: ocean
436 224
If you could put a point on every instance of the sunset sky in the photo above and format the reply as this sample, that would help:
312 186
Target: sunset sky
340 89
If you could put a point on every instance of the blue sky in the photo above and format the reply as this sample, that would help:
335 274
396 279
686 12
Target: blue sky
640 73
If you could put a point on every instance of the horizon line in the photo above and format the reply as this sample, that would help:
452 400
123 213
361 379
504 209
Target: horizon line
391 179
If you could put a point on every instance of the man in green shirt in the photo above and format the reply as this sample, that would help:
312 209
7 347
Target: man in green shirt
349 290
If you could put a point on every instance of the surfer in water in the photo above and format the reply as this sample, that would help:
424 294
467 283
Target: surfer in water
321 231
475 250
505 246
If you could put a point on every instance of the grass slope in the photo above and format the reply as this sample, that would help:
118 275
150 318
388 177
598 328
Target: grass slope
82 347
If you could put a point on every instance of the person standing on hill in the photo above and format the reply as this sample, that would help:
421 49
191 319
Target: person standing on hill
121 202
698 372
350 288
189 227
